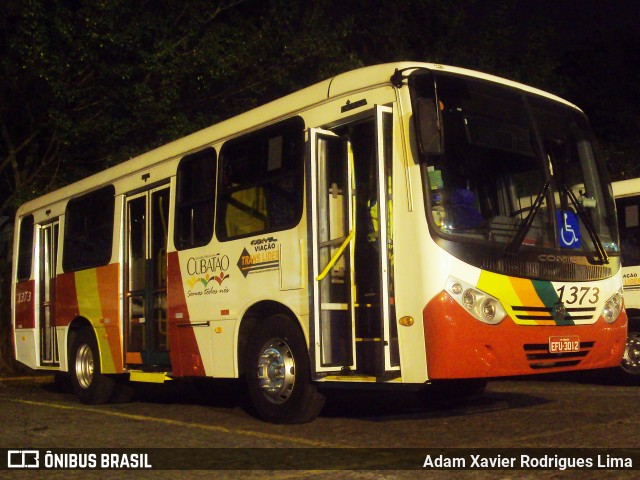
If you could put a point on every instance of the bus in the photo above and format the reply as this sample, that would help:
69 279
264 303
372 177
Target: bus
627 197
400 225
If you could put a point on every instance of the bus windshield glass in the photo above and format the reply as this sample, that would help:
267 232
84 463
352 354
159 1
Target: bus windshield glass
516 170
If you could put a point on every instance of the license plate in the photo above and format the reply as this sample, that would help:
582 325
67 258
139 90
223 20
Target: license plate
570 343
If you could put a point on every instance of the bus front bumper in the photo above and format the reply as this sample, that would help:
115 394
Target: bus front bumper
459 346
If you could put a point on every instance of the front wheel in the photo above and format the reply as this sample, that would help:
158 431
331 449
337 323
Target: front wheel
631 358
89 385
278 373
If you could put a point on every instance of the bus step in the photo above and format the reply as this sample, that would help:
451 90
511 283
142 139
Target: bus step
149 377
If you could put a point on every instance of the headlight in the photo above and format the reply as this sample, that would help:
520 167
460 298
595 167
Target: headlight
612 307
479 304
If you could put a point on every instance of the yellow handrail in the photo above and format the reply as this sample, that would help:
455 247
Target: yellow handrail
352 233
337 255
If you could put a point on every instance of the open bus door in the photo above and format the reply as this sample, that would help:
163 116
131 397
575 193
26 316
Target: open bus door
331 209
353 326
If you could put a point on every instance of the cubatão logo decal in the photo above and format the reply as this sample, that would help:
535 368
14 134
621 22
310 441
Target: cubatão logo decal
207 278
209 273
266 256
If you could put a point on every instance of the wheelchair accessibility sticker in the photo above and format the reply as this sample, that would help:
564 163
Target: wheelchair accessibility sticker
568 229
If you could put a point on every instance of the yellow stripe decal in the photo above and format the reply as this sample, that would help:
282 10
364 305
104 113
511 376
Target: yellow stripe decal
512 291
90 307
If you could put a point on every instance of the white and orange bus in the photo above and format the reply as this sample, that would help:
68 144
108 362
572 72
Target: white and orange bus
396 225
627 195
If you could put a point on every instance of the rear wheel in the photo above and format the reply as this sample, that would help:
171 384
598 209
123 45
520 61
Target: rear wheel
278 373
89 385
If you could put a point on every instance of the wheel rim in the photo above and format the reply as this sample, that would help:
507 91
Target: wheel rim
84 366
276 370
631 357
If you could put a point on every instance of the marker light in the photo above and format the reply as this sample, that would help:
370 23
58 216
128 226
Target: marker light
406 321
479 304
612 307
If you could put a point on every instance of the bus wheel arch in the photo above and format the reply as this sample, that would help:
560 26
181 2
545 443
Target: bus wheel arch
277 370
89 384
256 313
631 359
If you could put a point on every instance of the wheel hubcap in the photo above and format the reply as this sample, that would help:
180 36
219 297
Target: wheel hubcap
631 357
84 366
276 371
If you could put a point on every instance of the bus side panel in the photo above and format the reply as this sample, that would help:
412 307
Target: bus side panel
459 346
93 294
24 323
631 277
24 305
186 359
66 299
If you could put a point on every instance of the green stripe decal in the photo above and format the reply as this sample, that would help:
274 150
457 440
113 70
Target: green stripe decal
546 292
550 298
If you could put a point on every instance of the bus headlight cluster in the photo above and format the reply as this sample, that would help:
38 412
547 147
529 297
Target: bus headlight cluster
479 304
612 307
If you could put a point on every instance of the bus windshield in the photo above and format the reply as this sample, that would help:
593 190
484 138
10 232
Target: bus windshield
517 171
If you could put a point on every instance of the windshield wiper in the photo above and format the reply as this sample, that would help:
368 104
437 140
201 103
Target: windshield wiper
514 245
601 253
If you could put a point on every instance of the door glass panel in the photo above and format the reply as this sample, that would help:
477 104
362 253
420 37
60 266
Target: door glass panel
137 243
159 230
136 277
47 285
333 256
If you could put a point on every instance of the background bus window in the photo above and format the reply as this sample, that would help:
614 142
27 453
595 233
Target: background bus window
88 233
629 226
195 199
25 249
261 181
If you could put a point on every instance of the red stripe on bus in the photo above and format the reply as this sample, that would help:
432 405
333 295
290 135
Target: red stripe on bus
185 354
25 301
66 299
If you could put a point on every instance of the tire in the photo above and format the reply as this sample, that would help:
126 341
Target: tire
278 373
89 385
631 359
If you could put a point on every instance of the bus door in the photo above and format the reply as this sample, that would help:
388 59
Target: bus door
376 328
354 320
376 331
331 217
145 278
48 259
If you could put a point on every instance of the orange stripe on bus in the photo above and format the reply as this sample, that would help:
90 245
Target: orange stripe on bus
525 291
108 281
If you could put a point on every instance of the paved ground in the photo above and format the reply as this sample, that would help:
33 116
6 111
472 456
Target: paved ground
580 411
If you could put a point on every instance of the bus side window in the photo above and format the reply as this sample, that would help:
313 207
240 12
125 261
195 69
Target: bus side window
261 181
25 249
88 233
196 181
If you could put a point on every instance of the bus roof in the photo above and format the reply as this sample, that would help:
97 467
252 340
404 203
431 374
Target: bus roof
625 188
340 85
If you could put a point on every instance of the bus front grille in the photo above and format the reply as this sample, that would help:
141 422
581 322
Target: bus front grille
553 271
540 358
573 314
